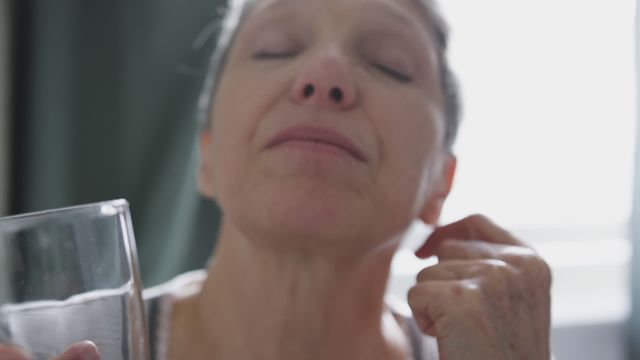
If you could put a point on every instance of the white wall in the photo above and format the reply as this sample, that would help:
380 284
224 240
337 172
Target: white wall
635 219
597 341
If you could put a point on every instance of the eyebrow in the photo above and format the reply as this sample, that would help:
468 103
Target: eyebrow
273 5
392 10
399 15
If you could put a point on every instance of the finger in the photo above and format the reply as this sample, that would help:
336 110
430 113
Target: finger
455 270
454 249
13 353
420 301
475 227
518 256
433 302
85 350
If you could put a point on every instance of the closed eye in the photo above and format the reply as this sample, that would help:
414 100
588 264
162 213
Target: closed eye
272 55
397 75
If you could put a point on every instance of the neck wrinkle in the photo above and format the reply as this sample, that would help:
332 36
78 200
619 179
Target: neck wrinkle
290 305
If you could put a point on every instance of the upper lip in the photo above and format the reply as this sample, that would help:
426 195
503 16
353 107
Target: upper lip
317 134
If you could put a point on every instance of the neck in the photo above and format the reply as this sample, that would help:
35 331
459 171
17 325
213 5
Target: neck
296 305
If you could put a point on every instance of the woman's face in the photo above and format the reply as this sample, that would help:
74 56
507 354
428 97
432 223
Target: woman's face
327 122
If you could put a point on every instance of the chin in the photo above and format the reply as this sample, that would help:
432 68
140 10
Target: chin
304 213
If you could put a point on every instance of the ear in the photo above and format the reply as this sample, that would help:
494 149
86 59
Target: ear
433 207
205 175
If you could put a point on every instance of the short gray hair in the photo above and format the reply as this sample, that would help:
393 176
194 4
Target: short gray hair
237 11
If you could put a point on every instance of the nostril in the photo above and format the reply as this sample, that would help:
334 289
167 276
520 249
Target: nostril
336 94
308 90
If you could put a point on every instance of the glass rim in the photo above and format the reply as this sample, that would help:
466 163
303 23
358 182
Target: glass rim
116 203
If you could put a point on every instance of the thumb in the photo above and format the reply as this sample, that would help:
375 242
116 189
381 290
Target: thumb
428 306
85 350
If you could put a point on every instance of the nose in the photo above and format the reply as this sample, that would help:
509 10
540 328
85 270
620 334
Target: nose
325 81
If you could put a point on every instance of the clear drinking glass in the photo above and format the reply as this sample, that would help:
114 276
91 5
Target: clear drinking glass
69 275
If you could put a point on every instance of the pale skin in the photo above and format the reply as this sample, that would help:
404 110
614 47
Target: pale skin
309 230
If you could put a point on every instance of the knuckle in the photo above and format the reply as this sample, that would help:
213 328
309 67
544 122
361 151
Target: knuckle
533 261
423 274
520 256
447 246
544 271
533 266
452 246
496 264
498 267
413 296
469 289
498 271
458 288
477 219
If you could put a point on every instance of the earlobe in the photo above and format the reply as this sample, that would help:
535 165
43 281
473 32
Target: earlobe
205 184
433 207
431 213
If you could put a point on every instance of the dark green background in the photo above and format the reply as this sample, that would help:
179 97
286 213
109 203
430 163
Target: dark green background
104 103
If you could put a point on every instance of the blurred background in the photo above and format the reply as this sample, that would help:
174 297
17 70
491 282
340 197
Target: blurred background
101 104
98 101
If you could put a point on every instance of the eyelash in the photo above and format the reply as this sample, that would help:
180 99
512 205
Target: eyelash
266 55
401 77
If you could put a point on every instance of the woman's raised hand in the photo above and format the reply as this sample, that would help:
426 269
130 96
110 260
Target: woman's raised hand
487 298
85 350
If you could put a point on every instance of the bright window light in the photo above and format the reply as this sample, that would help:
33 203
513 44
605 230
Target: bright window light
548 131
546 146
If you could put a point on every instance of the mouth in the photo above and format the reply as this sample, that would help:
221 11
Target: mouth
316 136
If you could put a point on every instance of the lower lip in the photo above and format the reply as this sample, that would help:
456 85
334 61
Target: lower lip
315 147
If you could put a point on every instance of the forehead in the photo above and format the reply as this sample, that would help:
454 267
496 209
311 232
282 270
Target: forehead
406 12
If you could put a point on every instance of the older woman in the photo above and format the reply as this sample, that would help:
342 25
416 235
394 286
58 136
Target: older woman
329 132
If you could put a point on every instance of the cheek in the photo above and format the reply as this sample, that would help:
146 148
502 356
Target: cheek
231 131
245 95
411 133
237 114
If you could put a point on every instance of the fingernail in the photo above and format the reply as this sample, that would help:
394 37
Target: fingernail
90 351
85 350
422 253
